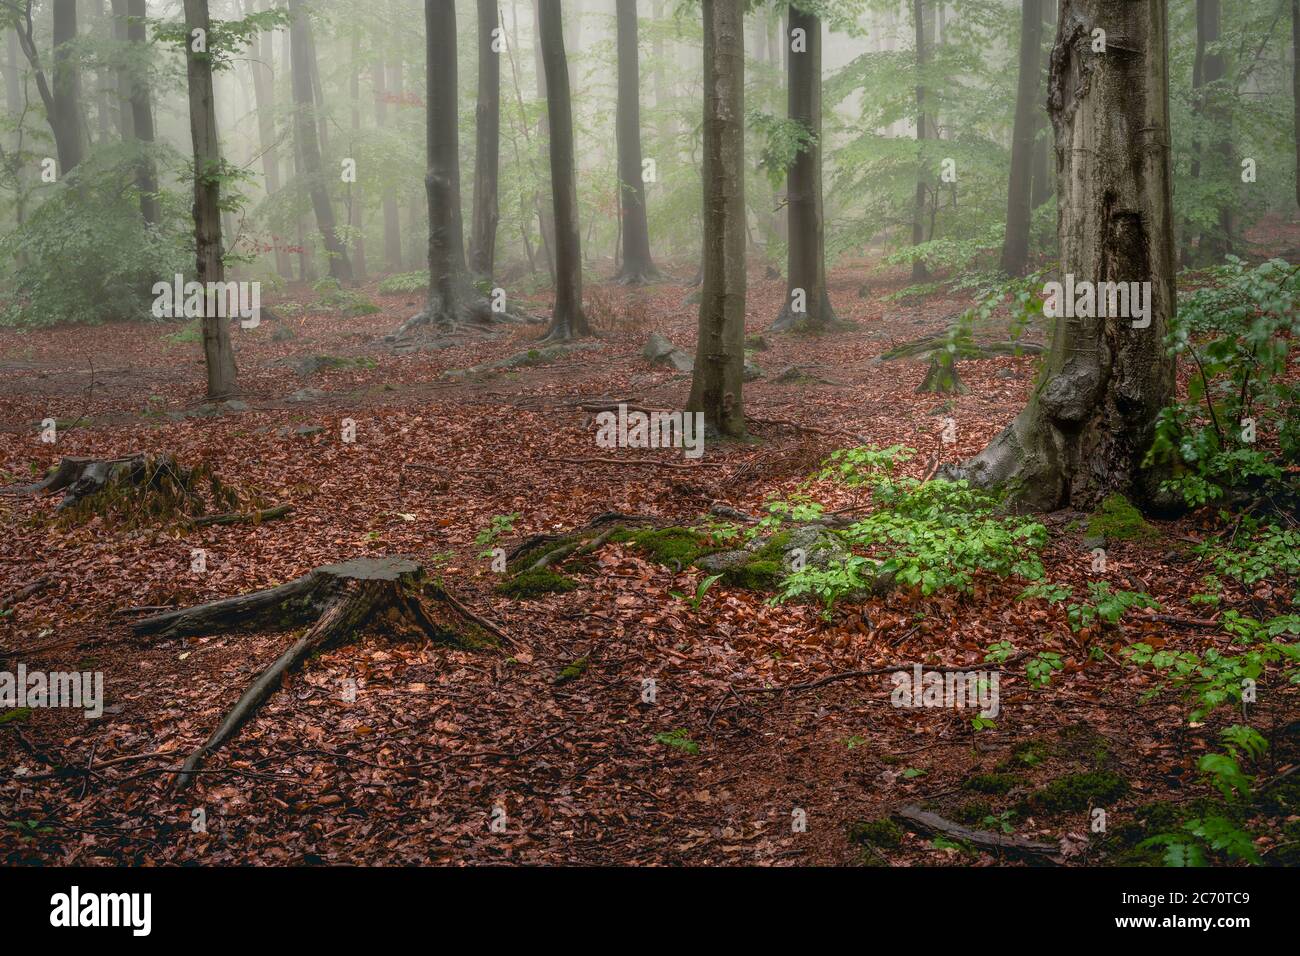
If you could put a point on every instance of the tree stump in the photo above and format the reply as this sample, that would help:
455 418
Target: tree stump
336 602
80 478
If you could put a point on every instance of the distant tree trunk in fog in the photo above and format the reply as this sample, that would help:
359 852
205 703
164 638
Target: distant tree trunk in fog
720 353
1091 418
568 320
356 205
217 351
305 133
125 127
1015 245
487 146
919 270
1295 87
1208 68
263 70
1043 180
146 176
102 79
806 299
664 124
638 267
69 137
545 217
392 222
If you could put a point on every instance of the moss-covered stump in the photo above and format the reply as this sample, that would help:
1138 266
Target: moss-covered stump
1118 520
941 378
336 602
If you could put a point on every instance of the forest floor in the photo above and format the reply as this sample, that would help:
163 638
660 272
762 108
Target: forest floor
413 769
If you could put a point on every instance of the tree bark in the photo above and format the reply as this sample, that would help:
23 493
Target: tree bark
487 146
720 352
306 134
356 203
545 204
125 127
919 271
1208 68
70 140
392 219
1015 245
1295 87
217 352
568 320
1086 429
1043 185
638 267
263 68
806 298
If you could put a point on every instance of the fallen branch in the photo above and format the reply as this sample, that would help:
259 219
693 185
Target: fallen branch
635 461
26 591
874 672
933 823
236 517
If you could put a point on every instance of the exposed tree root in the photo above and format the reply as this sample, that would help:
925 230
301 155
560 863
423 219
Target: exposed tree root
337 601
966 349
933 823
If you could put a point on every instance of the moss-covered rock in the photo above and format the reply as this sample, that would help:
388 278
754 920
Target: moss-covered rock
528 584
1079 791
1118 520
671 547
883 832
755 575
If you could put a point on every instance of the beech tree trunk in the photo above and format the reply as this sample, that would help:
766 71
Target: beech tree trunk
1209 67
1043 186
125 127
217 352
69 136
392 220
308 143
263 68
638 267
806 299
356 198
1086 429
720 352
568 320
1295 87
1015 245
919 271
487 146
545 204
146 176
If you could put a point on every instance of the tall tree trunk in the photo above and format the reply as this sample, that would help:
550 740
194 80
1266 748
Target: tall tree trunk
125 126
1015 245
146 176
568 320
70 139
356 204
1295 88
392 219
1208 68
1090 421
1043 184
305 132
263 68
720 352
102 78
487 145
217 351
638 267
806 299
545 204
919 271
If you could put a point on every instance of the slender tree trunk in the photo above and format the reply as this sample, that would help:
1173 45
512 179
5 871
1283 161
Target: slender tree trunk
1090 421
356 203
146 176
70 139
1295 88
102 78
638 267
1043 185
720 352
545 203
487 144
806 299
568 320
1209 68
217 351
125 126
392 219
919 271
263 68
1015 246
305 132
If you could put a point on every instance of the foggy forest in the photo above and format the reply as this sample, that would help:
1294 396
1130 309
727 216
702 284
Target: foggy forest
849 433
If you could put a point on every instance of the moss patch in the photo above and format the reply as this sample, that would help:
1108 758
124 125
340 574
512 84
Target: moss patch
1118 520
573 671
973 812
881 833
1078 791
1027 753
532 583
671 547
755 575
992 783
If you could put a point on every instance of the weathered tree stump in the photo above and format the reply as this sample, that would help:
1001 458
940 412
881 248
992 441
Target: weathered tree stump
941 378
336 602
80 478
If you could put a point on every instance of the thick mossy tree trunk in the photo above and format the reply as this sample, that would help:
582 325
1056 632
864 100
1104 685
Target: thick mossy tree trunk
70 140
720 353
1295 88
919 271
306 135
568 321
487 145
806 299
218 354
1086 429
1015 245
638 267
